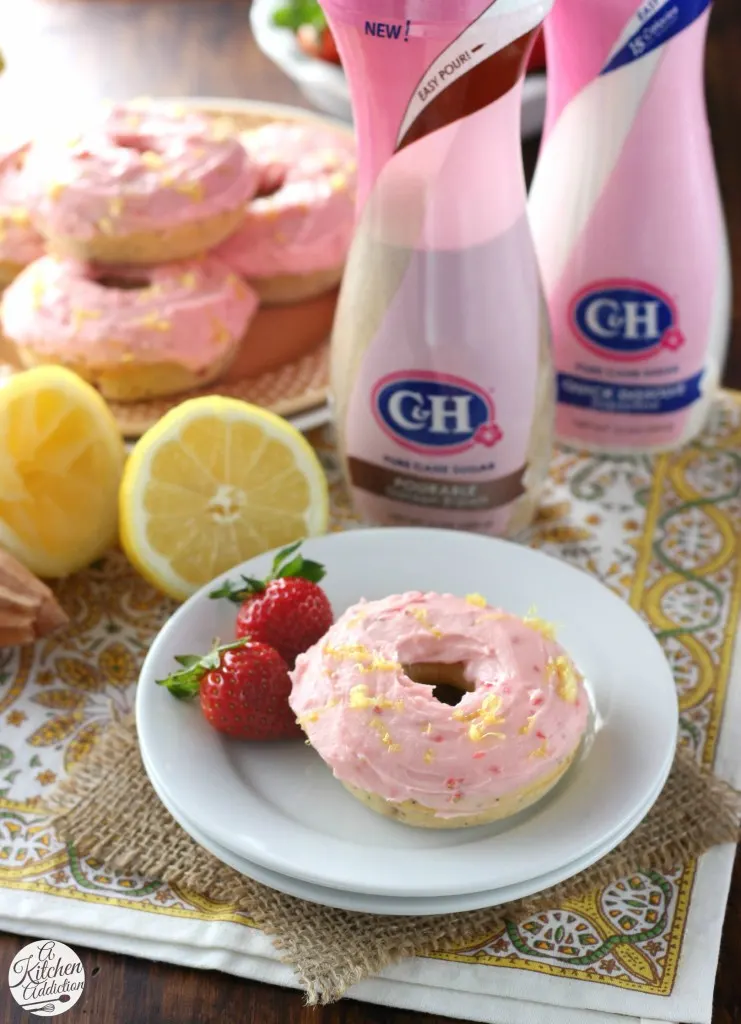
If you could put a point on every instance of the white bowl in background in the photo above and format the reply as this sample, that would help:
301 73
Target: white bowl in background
324 85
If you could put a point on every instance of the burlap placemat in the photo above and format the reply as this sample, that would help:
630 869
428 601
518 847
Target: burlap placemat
109 810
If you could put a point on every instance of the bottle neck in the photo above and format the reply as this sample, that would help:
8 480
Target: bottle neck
410 78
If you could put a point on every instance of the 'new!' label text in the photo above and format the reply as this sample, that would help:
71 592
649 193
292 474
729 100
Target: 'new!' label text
384 30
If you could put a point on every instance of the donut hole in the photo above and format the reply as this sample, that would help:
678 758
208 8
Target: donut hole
448 682
121 283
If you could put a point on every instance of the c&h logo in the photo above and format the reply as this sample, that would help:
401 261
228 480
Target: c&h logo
434 413
625 320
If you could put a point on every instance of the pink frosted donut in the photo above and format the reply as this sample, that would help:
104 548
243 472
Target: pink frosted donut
134 332
20 242
296 233
142 187
441 711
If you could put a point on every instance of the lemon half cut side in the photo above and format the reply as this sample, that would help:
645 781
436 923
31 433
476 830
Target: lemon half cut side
215 482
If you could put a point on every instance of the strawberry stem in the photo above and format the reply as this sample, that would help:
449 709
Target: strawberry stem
186 682
287 563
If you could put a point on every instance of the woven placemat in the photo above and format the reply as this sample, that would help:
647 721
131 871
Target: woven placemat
109 810
289 390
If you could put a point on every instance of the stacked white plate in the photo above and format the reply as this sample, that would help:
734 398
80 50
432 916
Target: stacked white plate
275 813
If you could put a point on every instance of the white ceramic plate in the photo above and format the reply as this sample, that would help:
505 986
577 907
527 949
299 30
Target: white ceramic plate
397 905
312 418
279 806
324 85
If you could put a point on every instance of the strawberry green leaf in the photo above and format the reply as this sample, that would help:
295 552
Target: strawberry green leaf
305 569
186 683
296 13
237 593
287 563
284 557
187 660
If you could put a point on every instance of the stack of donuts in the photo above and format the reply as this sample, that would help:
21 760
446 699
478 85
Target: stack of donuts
138 253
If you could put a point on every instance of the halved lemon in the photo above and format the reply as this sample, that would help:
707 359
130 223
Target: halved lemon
61 460
215 482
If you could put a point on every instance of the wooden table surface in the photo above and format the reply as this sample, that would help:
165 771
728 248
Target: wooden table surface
68 52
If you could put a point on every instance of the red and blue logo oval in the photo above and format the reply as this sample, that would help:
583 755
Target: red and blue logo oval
625 320
433 413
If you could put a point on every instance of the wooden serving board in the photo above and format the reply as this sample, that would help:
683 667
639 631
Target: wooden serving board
283 362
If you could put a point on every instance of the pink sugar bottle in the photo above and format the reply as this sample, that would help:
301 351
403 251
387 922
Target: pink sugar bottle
627 219
442 379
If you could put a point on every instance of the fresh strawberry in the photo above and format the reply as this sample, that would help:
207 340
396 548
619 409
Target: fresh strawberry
317 42
288 610
243 688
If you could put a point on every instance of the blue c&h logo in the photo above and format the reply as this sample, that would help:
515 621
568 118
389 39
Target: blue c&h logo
434 413
625 320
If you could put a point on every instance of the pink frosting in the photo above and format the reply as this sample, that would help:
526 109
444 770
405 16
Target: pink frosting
383 733
139 170
187 312
20 242
306 222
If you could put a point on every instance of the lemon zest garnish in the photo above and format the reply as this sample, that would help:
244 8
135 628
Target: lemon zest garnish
384 736
348 652
240 288
79 316
566 678
542 750
477 600
429 756
313 715
19 215
37 291
487 714
221 333
360 698
154 322
476 733
379 664
151 160
546 629
422 616
192 189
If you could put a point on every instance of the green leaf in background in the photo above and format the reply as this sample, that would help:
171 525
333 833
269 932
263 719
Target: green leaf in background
296 13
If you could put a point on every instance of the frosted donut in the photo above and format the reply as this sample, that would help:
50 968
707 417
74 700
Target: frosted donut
141 187
296 233
441 711
20 242
134 332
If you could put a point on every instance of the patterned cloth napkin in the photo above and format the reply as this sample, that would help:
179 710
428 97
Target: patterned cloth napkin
663 533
